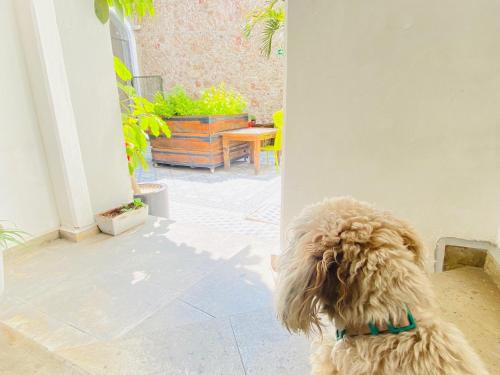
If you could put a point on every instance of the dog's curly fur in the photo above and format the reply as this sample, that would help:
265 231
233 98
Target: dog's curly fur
352 264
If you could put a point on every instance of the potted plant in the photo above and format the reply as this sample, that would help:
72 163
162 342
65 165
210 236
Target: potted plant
8 236
196 124
122 218
252 121
139 121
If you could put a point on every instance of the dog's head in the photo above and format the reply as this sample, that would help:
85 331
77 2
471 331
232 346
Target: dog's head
345 258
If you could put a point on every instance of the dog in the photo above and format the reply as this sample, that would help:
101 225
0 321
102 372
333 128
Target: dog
362 270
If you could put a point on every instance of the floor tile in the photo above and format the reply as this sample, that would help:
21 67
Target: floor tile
239 285
174 315
206 348
267 348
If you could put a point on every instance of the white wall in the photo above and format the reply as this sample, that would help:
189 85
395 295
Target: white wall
26 198
54 139
397 102
89 66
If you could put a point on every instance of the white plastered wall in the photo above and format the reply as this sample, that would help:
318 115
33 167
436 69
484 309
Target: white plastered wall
397 102
89 65
62 154
26 197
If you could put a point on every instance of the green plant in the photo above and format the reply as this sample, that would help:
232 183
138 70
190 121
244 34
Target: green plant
136 203
138 119
271 17
139 8
174 103
11 236
212 101
220 101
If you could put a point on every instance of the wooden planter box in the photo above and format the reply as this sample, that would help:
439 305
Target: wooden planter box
196 141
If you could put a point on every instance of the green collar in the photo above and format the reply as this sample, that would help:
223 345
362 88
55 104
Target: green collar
374 331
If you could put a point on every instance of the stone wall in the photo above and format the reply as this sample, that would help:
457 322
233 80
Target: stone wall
199 43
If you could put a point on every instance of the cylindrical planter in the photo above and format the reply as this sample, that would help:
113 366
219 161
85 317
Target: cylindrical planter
155 195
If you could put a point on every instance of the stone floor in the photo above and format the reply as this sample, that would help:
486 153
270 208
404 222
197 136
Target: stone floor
184 296
190 295
234 201
469 298
19 355
167 298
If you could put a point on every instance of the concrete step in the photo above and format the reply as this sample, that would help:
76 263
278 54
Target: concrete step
469 298
21 356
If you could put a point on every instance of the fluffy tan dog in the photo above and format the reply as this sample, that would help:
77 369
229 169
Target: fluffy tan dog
363 269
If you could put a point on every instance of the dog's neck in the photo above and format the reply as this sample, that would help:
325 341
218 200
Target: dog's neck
405 321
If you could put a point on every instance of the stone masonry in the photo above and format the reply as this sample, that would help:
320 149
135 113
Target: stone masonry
199 43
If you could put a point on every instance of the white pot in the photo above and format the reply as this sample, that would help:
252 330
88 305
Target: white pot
155 195
122 222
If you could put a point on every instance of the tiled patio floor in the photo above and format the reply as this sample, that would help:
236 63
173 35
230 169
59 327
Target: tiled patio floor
168 298
192 295
235 200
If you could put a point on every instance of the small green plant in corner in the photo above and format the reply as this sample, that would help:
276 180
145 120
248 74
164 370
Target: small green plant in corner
11 236
139 119
136 203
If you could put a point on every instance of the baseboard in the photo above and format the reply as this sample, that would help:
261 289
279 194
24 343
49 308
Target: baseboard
36 241
73 235
77 235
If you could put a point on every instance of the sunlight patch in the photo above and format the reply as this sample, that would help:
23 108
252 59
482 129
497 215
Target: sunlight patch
139 276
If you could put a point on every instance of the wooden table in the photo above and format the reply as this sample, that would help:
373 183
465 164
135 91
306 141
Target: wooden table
254 136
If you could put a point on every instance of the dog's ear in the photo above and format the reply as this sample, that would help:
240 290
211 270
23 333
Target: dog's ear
412 242
307 281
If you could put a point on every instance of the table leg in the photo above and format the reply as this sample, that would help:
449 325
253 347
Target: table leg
256 156
225 152
251 152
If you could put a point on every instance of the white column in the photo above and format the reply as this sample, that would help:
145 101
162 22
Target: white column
49 83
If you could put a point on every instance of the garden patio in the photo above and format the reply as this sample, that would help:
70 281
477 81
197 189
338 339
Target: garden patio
393 103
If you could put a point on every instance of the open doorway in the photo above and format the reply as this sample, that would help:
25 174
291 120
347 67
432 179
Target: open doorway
197 47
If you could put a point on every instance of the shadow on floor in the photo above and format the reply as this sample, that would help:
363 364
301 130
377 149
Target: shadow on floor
167 298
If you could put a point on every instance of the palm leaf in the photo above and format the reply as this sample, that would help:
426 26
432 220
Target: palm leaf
272 25
272 17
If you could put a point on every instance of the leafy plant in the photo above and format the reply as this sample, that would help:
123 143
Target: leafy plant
219 101
123 8
212 101
174 103
138 119
136 203
11 236
271 18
